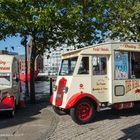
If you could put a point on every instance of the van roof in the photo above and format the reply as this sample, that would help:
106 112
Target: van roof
103 48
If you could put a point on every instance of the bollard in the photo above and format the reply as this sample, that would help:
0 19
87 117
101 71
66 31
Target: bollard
51 86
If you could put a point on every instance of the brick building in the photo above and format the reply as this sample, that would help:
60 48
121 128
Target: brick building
38 60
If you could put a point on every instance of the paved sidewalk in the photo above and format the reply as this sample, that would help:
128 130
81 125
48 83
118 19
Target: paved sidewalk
35 122
108 125
39 122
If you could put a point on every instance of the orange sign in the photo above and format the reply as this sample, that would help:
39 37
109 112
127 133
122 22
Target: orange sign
101 86
2 62
100 49
131 84
4 68
129 46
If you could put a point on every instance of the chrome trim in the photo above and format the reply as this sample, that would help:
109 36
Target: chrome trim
6 109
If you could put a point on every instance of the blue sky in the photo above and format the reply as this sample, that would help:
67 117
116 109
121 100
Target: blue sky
12 41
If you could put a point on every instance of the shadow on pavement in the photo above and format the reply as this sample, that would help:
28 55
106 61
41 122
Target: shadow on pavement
110 114
24 115
131 133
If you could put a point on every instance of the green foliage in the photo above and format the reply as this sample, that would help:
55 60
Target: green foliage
77 22
124 19
53 22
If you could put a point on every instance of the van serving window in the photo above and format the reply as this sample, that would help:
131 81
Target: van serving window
121 65
127 65
99 65
134 61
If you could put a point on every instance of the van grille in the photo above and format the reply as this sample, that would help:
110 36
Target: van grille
60 93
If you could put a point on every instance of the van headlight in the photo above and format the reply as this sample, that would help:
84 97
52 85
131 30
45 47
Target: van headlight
65 89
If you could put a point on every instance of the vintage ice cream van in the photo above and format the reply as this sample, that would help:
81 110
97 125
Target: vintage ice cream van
97 76
9 83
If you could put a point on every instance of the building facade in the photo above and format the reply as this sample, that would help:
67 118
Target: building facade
52 59
38 63
38 60
21 59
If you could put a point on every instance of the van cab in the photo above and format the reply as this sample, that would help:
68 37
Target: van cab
102 75
9 84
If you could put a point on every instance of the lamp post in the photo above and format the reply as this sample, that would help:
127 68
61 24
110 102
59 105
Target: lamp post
24 43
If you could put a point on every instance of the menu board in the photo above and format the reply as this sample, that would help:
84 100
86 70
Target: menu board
121 65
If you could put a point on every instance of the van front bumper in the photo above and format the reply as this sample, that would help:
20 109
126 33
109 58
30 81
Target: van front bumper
5 109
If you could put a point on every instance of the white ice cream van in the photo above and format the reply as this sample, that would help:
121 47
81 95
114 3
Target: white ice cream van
9 83
97 76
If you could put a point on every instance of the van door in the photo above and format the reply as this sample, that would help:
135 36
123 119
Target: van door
100 78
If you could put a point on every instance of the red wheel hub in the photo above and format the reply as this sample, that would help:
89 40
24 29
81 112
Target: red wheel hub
84 111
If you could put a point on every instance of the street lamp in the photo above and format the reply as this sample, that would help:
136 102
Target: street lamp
24 43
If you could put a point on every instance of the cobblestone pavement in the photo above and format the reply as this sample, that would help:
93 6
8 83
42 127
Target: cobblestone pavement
108 125
35 122
39 122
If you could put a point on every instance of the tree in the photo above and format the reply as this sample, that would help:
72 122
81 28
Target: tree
124 19
51 23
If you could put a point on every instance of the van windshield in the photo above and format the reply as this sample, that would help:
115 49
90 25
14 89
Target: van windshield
5 79
68 66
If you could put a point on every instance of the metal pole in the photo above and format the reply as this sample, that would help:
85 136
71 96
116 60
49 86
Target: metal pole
24 43
51 92
26 73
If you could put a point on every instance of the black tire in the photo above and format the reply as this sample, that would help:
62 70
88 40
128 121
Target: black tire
59 111
83 112
11 113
